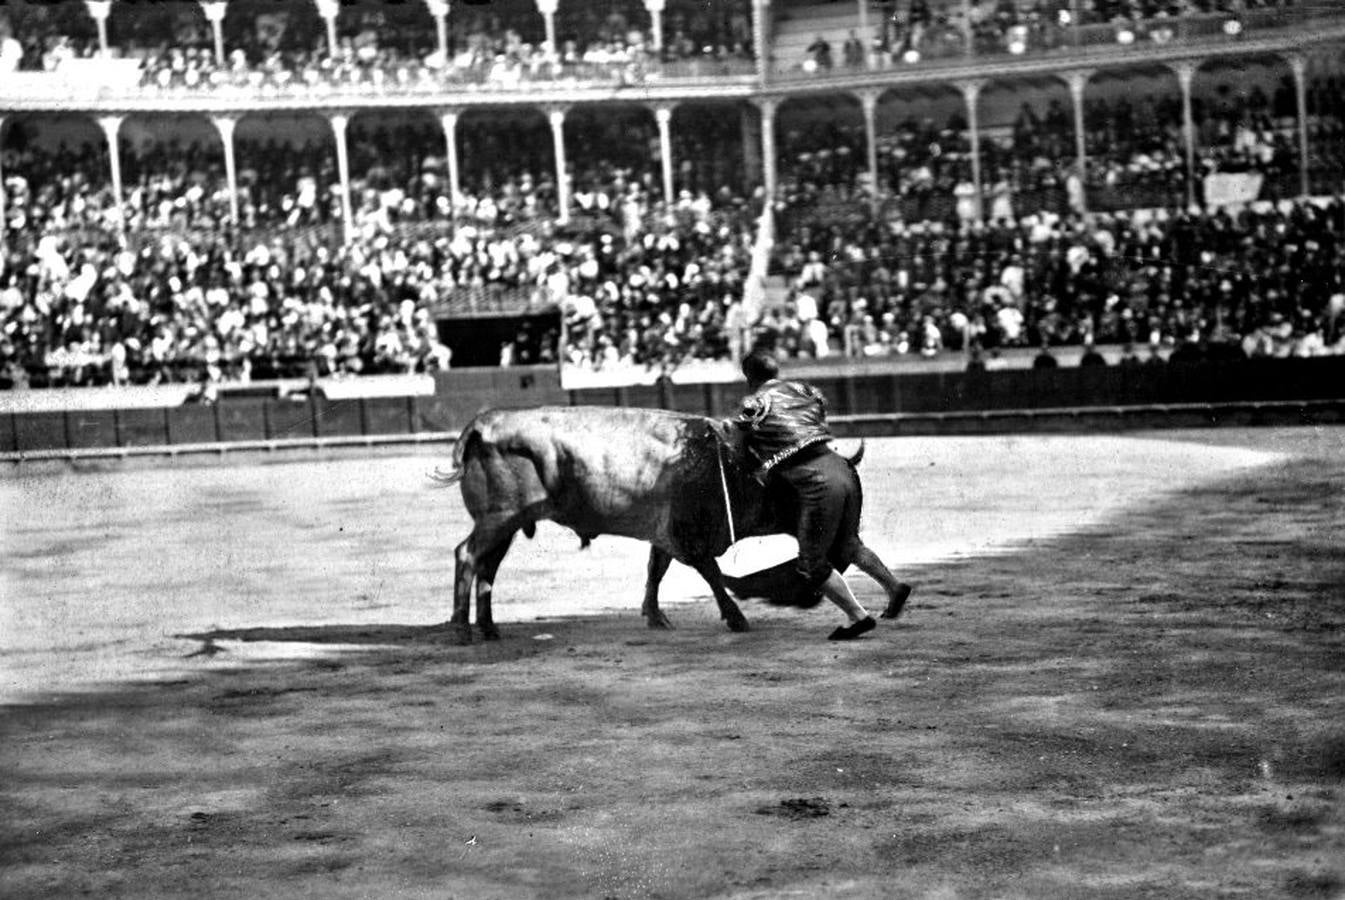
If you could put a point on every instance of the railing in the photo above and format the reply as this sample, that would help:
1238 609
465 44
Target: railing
410 80
492 300
1054 39
1182 29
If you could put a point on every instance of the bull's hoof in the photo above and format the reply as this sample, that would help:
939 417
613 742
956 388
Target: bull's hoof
739 624
658 620
897 601
489 631
462 632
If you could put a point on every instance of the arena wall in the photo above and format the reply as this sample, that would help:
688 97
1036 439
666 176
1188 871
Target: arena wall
1310 391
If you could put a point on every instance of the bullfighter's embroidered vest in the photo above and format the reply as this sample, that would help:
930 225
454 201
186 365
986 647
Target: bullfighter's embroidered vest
782 418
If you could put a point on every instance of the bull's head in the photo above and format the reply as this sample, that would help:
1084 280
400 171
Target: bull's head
757 508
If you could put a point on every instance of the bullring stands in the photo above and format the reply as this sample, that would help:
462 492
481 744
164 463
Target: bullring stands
353 188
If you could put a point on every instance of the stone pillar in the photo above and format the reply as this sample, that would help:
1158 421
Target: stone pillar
439 11
556 115
864 34
449 120
1185 73
868 101
1076 22
111 126
663 116
971 37
339 122
548 10
750 131
100 10
328 10
769 180
761 11
655 9
1298 64
971 92
214 12
1078 81
225 125
4 215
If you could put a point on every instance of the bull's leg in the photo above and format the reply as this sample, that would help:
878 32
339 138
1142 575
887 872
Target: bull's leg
464 576
709 570
469 555
658 567
487 564
897 591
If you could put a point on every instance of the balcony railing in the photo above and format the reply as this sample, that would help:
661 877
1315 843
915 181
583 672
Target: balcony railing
949 46
363 84
492 300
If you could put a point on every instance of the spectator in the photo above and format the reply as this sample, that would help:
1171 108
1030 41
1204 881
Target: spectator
1091 357
1045 359
820 53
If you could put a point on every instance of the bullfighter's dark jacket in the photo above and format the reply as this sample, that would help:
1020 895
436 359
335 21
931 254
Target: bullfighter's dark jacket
781 418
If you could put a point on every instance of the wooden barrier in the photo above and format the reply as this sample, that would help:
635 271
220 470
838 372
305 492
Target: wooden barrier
971 399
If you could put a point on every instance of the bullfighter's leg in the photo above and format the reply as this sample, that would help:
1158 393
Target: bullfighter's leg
897 591
709 570
659 561
487 564
824 510
838 590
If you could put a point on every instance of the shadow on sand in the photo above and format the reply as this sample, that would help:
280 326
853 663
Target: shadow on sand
350 635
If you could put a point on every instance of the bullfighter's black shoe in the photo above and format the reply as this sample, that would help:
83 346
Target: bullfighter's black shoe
897 601
853 630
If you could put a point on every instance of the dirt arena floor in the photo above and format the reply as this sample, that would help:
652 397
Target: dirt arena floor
1122 674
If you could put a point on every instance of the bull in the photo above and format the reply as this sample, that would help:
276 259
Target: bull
652 475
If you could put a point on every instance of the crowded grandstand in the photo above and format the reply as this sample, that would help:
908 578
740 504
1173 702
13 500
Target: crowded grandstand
249 190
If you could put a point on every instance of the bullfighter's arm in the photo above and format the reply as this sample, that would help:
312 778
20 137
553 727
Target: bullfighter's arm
817 395
754 410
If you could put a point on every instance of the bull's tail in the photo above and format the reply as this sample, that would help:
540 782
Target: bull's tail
858 457
444 479
447 478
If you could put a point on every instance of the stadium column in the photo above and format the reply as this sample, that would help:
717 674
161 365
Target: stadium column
449 119
864 30
225 126
1078 81
111 126
4 217
749 128
548 10
970 49
971 92
339 122
760 10
868 101
1186 71
768 107
556 115
99 10
663 116
439 10
1298 64
327 10
214 13
655 9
